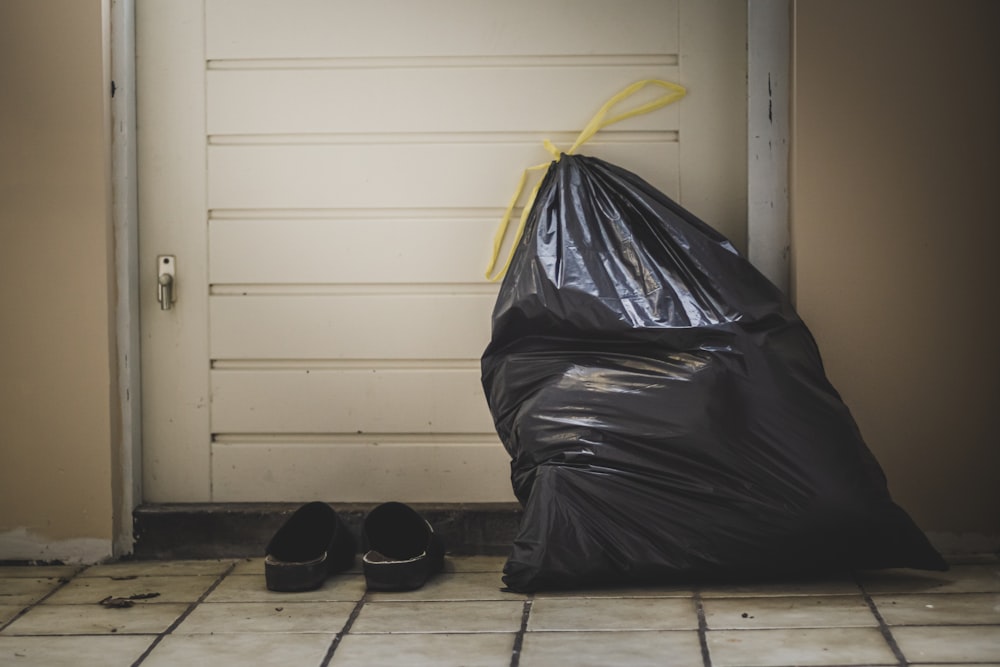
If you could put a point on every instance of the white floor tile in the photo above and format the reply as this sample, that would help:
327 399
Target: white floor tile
490 564
835 586
37 571
622 592
463 617
613 614
207 618
171 588
940 609
425 650
241 650
78 619
25 590
159 567
949 644
454 586
107 651
788 612
802 647
600 649
251 588
444 617
9 611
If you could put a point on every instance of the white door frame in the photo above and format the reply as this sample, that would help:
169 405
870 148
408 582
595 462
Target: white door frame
768 55
768 111
125 224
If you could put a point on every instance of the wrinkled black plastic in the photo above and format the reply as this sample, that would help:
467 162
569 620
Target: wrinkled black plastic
665 409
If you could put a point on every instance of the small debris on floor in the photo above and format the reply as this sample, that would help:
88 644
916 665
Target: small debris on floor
125 577
124 602
112 602
143 596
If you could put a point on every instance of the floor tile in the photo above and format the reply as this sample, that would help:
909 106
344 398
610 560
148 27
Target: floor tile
790 612
622 592
71 651
170 588
949 644
454 586
9 611
37 571
254 566
940 609
425 650
802 647
249 588
981 578
24 591
207 618
492 564
830 586
158 567
613 614
241 649
599 649
77 619
446 617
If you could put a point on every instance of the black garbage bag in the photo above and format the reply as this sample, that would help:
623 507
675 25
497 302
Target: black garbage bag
666 411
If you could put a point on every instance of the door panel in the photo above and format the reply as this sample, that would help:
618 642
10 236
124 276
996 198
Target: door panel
361 469
329 176
245 29
370 246
500 96
396 175
370 325
419 398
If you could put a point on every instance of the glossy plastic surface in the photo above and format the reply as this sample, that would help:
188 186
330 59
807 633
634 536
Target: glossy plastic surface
665 409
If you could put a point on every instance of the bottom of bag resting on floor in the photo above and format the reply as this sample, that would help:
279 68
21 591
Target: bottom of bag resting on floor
665 409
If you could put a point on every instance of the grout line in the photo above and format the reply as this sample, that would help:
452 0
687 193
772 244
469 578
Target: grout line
468 61
883 626
62 582
515 656
702 628
187 612
343 631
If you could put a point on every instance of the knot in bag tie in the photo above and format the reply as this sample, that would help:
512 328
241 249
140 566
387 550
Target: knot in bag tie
601 119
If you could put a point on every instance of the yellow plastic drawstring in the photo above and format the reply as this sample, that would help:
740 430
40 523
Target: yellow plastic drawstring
597 123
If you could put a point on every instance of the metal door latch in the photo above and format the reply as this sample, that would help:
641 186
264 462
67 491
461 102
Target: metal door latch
165 292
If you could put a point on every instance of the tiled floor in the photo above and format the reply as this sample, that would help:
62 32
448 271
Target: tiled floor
218 613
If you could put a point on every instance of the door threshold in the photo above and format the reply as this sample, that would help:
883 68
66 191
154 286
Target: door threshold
242 530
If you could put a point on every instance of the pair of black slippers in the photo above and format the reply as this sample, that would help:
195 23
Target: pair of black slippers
403 551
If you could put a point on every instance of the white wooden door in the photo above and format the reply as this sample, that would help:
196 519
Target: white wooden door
328 176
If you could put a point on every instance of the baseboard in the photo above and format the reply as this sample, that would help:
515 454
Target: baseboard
23 546
239 530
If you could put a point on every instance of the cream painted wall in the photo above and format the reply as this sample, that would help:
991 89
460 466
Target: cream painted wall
895 234
56 347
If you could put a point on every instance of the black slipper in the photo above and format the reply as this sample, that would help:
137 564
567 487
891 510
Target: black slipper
403 549
311 545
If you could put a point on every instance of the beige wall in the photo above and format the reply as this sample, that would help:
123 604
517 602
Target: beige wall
56 355
895 231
